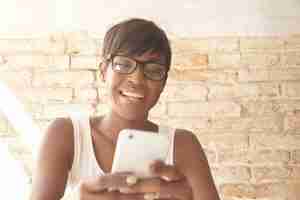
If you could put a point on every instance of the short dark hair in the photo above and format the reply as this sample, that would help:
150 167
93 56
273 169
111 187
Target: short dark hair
135 37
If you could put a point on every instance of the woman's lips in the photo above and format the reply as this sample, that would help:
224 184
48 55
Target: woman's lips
132 96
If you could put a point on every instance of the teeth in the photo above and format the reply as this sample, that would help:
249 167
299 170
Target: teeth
130 94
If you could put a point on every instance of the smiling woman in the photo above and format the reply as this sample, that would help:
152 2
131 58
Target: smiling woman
78 151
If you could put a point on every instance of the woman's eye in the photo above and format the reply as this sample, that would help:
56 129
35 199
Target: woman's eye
121 65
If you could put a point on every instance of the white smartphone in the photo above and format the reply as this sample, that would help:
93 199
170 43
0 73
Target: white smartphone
137 149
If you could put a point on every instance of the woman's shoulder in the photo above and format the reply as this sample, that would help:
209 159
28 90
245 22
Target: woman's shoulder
185 137
190 147
58 140
60 128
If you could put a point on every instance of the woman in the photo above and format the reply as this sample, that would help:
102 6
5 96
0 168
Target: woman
79 151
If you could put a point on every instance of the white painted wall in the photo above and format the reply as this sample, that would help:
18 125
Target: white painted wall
181 18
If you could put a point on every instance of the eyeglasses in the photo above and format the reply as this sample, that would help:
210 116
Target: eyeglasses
125 65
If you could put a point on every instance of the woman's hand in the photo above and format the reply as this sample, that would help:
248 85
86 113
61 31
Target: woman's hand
171 184
106 187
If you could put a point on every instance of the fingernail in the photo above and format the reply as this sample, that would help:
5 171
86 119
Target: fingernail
125 190
166 178
112 189
131 180
151 196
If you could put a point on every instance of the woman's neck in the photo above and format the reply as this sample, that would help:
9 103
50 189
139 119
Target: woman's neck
112 123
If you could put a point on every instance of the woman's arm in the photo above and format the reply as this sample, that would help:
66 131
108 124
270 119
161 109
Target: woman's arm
54 161
192 162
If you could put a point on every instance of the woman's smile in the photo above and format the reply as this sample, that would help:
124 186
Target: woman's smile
132 96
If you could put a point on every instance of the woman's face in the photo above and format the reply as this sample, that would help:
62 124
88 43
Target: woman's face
133 95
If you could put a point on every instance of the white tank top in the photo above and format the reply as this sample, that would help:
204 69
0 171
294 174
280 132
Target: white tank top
84 162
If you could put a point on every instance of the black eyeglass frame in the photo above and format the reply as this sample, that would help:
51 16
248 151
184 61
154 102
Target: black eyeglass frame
110 58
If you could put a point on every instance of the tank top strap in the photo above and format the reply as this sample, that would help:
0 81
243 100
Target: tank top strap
83 163
170 132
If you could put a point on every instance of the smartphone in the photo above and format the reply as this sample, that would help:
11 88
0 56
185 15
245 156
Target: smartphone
136 150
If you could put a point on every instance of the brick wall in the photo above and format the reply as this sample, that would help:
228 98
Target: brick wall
239 95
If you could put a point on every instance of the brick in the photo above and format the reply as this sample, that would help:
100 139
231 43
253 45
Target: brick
62 78
292 121
190 61
260 60
256 191
231 174
227 45
85 95
296 156
81 43
224 141
34 110
266 156
160 109
250 156
238 190
36 61
291 59
233 156
182 91
204 109
254 124
253 75
284 75
269 107
291 89
22 78
260 107
270 173
194 124
49 45
211 156
203 45
84 62
14 46
292 43
244 91
45 95
261 44
268 141
158 119
52 111
210 76
225 60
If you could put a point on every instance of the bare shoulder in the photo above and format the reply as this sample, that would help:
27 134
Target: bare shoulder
189 147
55 158
192 162
59 136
